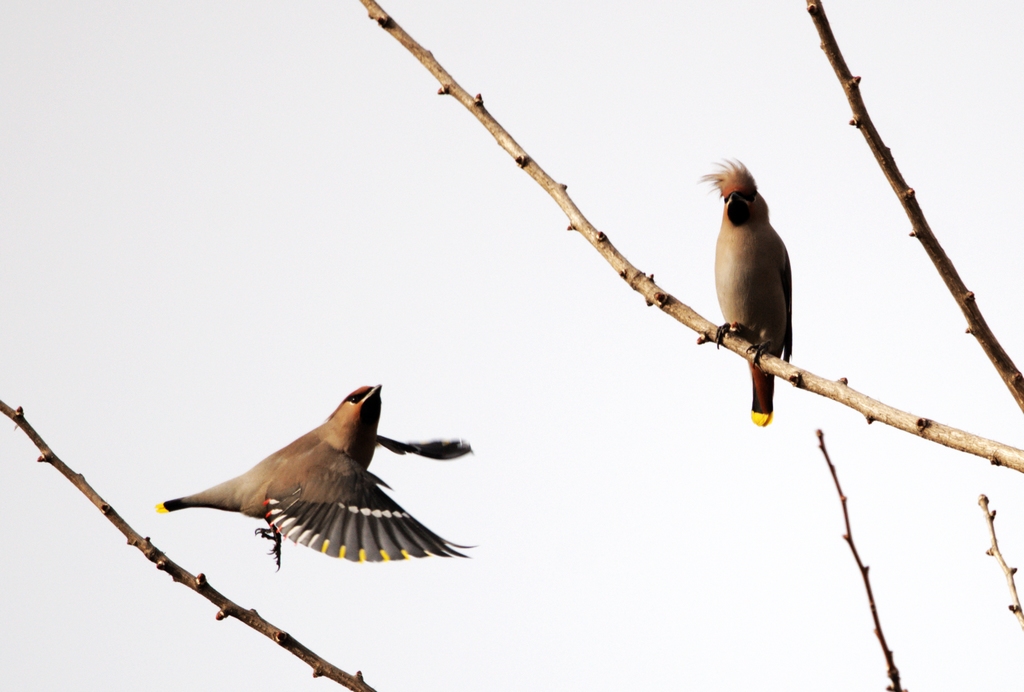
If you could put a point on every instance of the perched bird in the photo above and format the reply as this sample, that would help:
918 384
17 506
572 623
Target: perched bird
753 279
317 490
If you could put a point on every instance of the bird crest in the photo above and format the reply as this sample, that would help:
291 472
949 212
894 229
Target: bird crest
732 176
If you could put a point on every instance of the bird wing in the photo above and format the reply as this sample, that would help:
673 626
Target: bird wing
787 290
333 505
434 449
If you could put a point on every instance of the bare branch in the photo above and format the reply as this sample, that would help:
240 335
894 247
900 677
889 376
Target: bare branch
891 671
996 452
990 517
976 324
198 583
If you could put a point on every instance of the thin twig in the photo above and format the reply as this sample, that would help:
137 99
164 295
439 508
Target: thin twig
197 583
976 324
891 671
996 452
990 517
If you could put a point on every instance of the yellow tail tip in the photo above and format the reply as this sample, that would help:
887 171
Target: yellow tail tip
161 509
762 420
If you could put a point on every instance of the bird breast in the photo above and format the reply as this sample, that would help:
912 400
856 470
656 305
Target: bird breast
748 278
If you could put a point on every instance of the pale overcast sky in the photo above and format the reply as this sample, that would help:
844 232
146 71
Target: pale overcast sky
217 219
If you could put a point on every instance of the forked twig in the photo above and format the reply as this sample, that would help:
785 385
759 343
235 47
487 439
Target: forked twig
891 671
990 517
976 323
197 583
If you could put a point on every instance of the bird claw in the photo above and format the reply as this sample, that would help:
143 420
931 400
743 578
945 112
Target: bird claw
272 534
759 350
720 334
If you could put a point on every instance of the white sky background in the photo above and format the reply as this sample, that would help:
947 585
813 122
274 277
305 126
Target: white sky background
217 219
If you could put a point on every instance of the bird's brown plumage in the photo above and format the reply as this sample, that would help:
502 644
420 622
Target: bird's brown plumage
318 491
753 278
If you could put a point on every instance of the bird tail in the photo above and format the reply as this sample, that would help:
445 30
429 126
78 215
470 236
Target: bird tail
170 506
761 411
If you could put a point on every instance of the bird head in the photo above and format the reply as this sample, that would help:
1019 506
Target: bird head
352 427
739 191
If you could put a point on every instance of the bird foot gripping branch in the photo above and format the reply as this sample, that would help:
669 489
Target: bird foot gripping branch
722 331
318 492
759 350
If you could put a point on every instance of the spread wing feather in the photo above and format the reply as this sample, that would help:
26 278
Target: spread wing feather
434 449
359 521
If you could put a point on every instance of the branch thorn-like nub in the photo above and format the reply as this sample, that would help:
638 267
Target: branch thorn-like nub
200 579
913 234
923 423
105 508
570 227
41 458
445 89
796 379
649 303
384 21
855 122
622 274
523 161
870 419
968 331
843 381
564 186
161 564
280 637
812 9
221 614
969 297
601 236
317 673
854 81
478 100
19 412
651 277
1018 377
909 194
701 340
660 298
359 674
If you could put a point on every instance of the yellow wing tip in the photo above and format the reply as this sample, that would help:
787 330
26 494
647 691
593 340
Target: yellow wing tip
762 420
160 509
